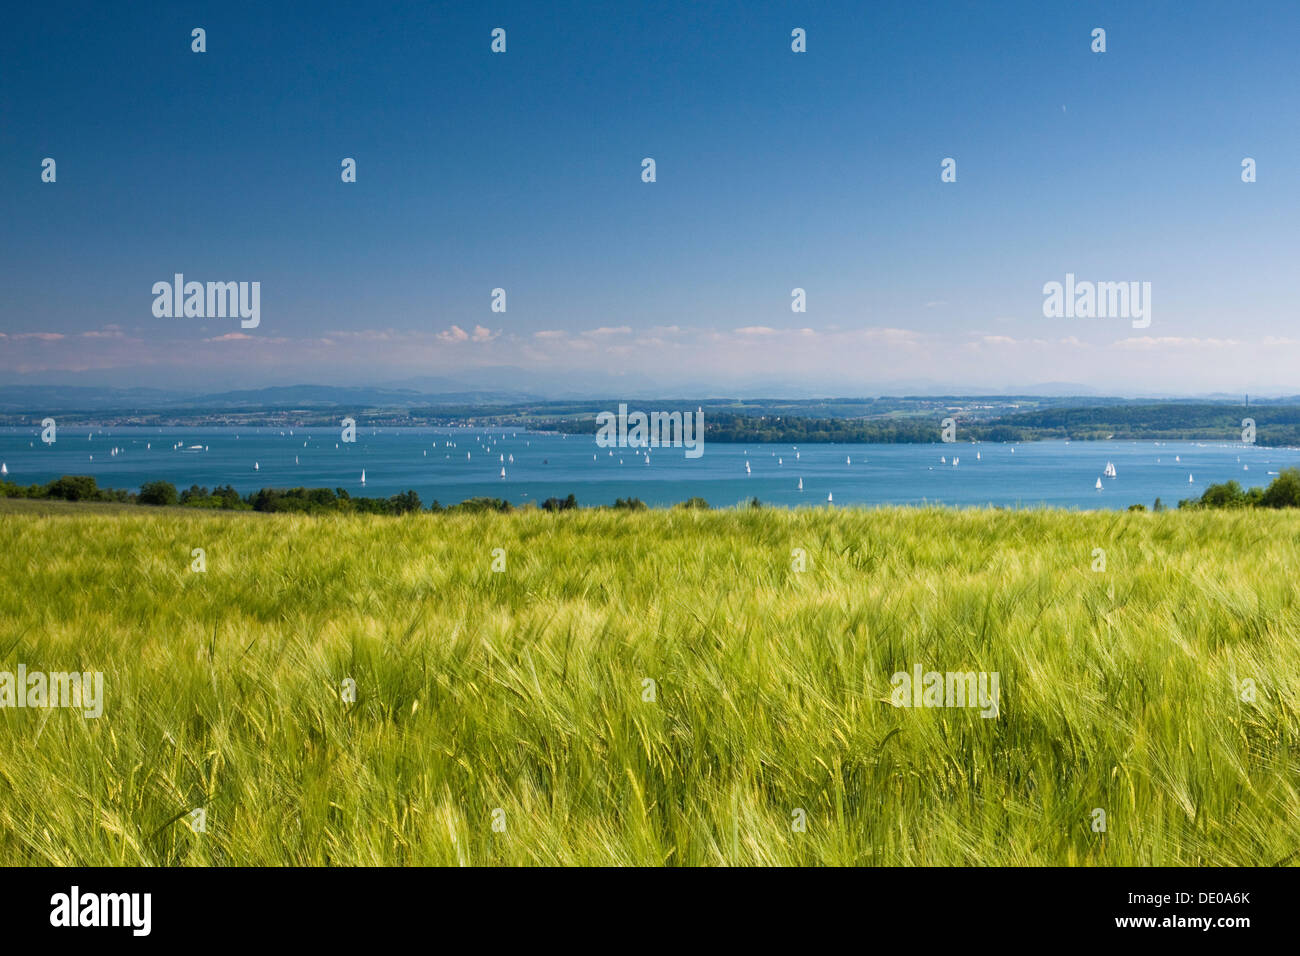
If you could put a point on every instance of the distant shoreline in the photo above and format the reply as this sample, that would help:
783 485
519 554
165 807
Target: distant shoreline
772 422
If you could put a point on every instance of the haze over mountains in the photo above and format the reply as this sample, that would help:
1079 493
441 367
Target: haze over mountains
445 391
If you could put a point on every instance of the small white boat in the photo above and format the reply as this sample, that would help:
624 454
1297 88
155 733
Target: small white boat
1099 484
4 469
295 459
747 471
1178 457
779 462
830 496
1189 479
801 484
1110 470
943 459
503 472
977 456
257 466
848 460
363 476
955 459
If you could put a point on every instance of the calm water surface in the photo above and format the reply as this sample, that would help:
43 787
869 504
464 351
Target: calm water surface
451 464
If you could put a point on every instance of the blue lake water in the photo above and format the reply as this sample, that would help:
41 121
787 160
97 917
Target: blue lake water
451 464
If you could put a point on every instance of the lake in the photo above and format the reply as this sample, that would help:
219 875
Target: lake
451 464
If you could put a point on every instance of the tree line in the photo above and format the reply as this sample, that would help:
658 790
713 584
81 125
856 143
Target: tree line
281 500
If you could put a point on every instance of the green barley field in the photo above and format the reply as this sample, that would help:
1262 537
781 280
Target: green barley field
505 718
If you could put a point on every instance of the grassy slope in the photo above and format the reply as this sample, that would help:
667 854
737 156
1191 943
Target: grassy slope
523 690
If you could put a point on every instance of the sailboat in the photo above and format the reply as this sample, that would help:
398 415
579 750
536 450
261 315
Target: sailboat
1099 484
1110 469
977 456
1178 457
257 466
943 459
747 468
363 476
779 462
801 484
4 469
848 460
955 459
295 459
1189 479
503 472
830 496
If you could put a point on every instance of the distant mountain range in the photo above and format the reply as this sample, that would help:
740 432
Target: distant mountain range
434 391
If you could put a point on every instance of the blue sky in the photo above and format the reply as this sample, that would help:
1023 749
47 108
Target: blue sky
775 170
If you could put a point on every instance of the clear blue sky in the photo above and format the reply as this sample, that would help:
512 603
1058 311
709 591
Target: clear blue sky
775 170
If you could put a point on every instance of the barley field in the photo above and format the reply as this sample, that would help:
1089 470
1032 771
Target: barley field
508 717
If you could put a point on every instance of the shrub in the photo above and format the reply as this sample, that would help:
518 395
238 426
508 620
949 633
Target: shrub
73 488
158 493
1284 491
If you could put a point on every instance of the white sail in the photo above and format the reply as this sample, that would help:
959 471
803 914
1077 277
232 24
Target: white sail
830 496
4 469
1099 484
503 472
